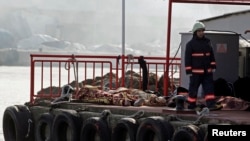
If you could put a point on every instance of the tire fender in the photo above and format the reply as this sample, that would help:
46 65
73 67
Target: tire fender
125 129
43 128
189 133
95 127
154 127
17 124
66 127
203 130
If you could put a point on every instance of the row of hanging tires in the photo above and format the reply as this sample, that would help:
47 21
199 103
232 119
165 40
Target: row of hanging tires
18 126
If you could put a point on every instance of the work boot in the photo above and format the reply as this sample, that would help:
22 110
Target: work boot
179 101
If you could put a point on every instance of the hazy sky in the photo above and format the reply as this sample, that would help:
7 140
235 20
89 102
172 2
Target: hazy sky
191 12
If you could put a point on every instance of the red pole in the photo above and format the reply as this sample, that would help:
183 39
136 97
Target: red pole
168 48
31 79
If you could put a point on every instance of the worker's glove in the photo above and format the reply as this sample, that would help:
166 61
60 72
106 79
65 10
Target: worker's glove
190 74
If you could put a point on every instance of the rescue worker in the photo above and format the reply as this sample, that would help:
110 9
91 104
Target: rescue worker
200 65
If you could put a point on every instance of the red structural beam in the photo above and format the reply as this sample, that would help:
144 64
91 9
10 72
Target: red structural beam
232 2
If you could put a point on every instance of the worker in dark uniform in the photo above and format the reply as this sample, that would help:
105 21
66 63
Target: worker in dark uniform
200 65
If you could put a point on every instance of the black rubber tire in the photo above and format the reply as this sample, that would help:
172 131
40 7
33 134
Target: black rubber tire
203 130
125 129
188 133
93 128
17 124
43 128
66 127
154 128
183 135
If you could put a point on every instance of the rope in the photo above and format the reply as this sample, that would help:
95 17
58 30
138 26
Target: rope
28 133
105 114
75 67
64 94
137 115
130 59
204 112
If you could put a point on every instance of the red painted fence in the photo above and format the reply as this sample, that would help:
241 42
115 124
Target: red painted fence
50 72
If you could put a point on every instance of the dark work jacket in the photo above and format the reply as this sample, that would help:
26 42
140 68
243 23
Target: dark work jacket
199 56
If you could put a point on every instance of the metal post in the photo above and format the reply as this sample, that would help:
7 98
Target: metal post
166 82
123 27
123 41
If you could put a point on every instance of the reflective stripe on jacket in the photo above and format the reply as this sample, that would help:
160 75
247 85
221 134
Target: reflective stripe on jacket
199 56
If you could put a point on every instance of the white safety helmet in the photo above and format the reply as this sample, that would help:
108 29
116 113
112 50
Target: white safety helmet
198 25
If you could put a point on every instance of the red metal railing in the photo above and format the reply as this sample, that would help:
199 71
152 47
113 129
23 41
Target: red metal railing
232 2
50 72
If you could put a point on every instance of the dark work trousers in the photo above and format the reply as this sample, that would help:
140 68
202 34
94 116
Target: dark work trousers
206 80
